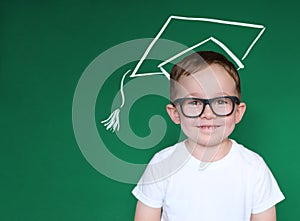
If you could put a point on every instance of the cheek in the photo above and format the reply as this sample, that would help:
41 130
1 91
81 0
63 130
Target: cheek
186 124
229 125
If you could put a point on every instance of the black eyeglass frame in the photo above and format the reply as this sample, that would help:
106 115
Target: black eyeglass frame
234 99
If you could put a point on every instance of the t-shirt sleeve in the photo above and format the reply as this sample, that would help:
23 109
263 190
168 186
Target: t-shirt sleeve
151 188
266 190
149 194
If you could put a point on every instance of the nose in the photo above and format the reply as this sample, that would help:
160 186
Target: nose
207 112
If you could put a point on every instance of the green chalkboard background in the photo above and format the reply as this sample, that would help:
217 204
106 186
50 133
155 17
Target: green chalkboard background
46 46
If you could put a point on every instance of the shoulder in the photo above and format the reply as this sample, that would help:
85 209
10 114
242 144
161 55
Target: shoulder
248 156
166 163
252 164
167 152
264 190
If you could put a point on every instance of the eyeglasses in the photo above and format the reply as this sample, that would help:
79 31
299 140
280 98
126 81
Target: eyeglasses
193 107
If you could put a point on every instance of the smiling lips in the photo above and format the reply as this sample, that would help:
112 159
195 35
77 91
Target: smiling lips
208 127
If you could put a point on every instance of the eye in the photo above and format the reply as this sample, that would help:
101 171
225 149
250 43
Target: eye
221 101
193 102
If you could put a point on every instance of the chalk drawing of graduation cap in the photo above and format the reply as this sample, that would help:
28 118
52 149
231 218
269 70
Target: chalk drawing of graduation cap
246 33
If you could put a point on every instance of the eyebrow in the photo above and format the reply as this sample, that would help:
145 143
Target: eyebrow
215 95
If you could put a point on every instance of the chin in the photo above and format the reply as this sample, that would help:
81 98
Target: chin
209 141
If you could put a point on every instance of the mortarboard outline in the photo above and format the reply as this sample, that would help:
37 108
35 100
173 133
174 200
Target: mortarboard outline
112 122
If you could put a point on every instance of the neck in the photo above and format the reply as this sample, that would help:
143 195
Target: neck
209 153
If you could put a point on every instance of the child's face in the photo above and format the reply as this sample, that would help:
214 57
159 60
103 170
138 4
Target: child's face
208 129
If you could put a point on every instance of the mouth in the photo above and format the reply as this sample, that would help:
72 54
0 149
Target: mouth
208 128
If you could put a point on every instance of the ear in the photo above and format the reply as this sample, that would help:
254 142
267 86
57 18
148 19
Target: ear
239 113
173 113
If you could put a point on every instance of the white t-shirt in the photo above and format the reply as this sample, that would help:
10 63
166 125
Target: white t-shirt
187 189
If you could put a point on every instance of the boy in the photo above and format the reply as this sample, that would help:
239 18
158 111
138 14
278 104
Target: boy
207 177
